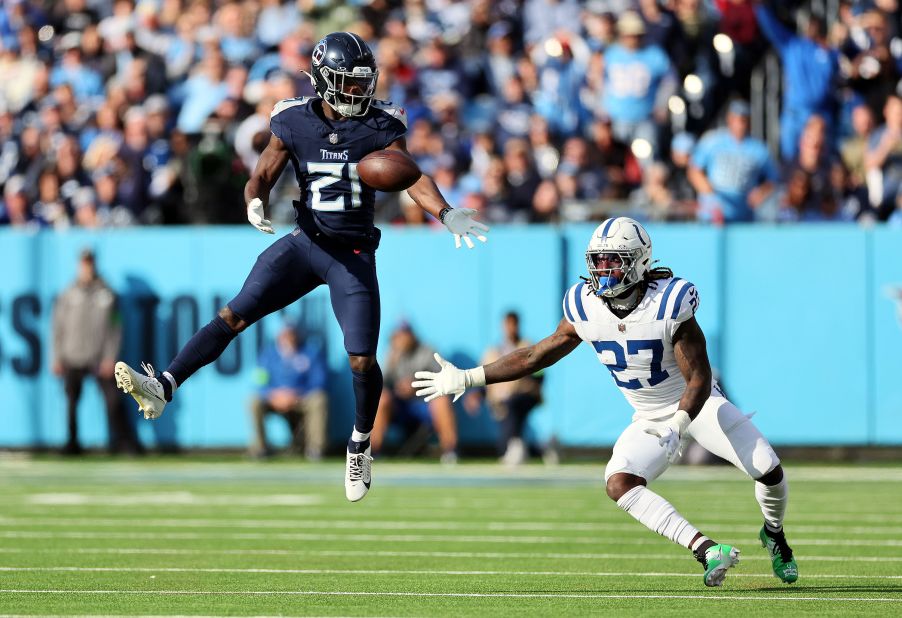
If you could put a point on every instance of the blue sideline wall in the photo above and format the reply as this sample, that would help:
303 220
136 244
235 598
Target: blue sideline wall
802 325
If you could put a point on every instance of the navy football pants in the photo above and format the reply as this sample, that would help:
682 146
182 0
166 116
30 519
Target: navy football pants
296 264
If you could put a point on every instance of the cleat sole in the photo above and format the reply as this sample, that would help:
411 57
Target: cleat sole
123 378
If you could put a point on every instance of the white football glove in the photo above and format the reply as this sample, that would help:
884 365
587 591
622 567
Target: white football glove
449 381
255 216
671 434
460 222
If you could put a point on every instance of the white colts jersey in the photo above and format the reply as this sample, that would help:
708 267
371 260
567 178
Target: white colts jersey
638 349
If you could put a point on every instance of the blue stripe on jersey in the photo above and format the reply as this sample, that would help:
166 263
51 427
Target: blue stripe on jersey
607 228
679 300
579 302
663 306
567 311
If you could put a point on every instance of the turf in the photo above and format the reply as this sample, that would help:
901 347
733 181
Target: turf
175 537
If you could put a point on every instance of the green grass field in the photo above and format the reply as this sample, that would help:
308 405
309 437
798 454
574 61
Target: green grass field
215 538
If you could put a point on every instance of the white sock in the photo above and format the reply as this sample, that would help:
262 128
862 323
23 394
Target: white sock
773 499
657 514
698 543
169 377
357 436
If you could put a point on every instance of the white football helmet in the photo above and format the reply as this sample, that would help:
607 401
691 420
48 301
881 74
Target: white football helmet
626 239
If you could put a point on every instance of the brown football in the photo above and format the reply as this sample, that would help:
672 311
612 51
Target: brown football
388 170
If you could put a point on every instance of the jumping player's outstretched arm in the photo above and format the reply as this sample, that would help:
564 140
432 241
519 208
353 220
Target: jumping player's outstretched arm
459 221
518 364
256 192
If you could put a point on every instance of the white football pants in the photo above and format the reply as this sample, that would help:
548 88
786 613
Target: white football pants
720 428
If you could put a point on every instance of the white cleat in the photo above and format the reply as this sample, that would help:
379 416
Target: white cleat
358 470
146 389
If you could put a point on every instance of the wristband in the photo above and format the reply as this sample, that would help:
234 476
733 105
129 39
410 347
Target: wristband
443 213
474 377
681 420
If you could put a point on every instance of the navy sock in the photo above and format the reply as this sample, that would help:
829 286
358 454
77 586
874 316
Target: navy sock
167 387
203 348
367 390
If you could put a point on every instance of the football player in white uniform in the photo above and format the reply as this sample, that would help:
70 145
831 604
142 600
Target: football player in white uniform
641 323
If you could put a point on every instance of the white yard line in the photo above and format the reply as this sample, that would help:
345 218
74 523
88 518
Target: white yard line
389 538
77 569
401 554
464 595
525 526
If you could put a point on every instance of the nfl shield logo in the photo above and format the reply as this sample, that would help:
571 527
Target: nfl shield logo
621 328
333 138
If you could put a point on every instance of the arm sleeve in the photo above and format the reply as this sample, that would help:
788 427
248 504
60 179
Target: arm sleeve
778 34
683 306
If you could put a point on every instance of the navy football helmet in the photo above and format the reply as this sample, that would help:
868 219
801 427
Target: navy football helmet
344 73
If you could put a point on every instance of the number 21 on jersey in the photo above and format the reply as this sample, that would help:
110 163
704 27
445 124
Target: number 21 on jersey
328 174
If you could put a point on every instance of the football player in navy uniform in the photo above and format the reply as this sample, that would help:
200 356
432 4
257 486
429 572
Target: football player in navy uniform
335 240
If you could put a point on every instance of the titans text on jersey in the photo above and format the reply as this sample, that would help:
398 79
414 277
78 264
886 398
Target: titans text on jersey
325 154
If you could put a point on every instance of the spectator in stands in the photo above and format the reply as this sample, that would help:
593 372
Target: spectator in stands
576 162
500 61
854 148
681 148
521 179
561 73
15 210
510 402
874 65
544 18
399 404
292 378
544 152
810 72
86 82
653 201
732 172
638 81
621 170
883 160
87 333
546 203
474 71
817 161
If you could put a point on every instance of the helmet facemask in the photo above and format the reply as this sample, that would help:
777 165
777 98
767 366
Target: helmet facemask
349 92
602 278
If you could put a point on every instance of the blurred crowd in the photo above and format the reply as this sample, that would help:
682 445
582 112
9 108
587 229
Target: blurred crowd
125 112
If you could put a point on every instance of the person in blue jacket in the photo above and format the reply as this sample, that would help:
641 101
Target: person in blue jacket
810 70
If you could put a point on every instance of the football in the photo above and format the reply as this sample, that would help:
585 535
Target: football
388 170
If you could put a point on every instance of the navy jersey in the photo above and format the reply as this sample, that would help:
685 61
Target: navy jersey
325 154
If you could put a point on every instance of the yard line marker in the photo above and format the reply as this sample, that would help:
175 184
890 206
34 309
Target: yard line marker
464 595
388 538
77 569
173 497
416 554
523 526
